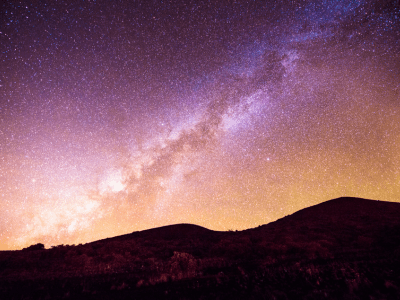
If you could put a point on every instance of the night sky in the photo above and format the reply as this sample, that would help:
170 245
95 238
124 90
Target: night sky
118 116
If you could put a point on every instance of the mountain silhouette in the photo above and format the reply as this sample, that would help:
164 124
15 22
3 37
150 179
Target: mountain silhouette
169 232
345 248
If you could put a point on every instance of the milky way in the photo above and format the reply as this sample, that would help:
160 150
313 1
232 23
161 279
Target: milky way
125 115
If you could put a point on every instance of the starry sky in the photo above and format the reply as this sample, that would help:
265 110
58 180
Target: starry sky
118 116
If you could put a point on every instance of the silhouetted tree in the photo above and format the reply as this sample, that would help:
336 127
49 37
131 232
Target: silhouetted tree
38 246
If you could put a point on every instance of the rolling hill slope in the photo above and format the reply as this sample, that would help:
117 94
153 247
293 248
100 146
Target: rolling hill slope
342 248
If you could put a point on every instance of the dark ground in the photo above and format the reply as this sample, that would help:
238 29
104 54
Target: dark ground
346 248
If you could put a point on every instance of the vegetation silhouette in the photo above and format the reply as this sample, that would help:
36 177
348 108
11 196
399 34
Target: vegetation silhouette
346 248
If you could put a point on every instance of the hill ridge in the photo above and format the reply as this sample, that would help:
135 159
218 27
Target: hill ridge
345 205
346 248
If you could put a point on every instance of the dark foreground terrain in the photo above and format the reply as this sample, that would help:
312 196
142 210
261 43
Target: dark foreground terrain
346 248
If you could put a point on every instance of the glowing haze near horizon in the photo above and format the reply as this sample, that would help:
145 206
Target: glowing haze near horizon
117 116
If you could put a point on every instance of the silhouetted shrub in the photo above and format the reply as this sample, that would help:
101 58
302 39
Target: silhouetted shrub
38 246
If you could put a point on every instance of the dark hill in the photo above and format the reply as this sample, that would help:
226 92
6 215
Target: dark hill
343 222
170 232
345 208
346 248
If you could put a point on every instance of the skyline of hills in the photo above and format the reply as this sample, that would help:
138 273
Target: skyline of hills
340 249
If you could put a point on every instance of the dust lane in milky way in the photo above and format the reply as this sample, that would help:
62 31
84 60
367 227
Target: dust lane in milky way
117 117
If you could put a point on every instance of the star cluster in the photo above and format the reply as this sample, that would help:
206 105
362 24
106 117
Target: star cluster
126 115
